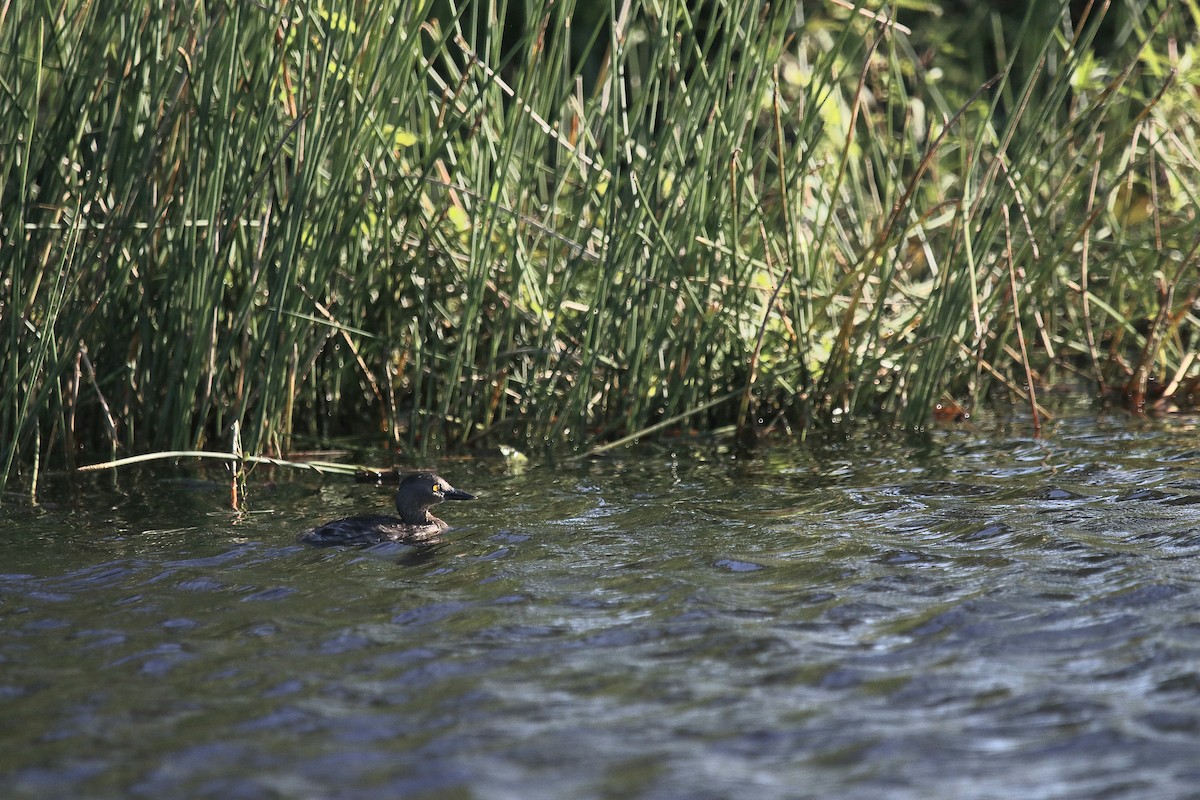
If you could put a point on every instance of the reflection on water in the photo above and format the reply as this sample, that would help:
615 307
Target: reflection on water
965 615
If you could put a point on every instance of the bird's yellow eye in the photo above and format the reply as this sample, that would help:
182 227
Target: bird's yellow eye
437 487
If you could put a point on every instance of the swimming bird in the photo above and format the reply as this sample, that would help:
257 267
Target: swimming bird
415 524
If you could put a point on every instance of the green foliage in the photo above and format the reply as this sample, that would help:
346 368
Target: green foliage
467 222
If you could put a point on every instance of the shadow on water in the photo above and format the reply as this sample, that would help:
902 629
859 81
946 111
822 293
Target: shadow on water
958 615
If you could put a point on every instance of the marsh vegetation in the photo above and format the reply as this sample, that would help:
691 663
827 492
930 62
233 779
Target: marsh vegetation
461 223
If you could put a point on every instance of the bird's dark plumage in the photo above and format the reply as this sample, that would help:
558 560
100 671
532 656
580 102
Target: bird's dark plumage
413 498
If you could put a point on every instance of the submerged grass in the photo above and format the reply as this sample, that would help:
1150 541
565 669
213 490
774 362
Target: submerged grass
473 222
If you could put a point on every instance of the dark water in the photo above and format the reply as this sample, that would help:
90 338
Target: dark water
973 614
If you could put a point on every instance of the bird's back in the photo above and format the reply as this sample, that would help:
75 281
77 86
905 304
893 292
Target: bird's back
371 529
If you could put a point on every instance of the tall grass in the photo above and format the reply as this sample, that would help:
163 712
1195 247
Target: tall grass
463 223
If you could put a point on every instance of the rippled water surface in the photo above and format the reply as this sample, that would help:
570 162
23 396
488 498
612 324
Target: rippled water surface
972 614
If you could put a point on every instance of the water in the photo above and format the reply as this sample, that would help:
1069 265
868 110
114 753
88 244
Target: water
971 614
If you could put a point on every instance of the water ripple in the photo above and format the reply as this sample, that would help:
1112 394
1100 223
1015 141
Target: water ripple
952 616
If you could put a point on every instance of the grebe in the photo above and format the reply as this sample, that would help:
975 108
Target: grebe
414 497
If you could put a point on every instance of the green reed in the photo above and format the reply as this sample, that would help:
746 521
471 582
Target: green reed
458 223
